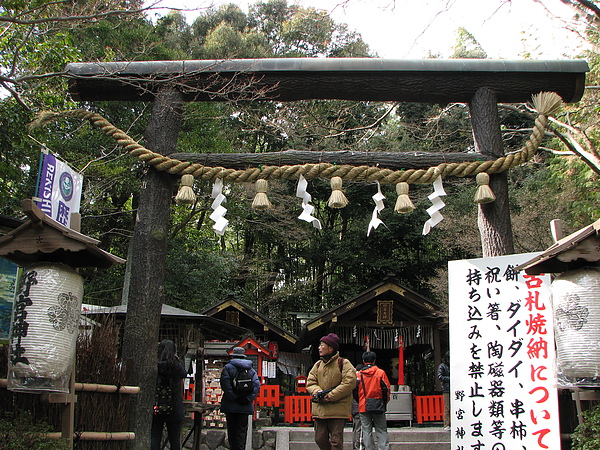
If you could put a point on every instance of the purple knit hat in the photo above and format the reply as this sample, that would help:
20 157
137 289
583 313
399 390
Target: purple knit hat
332 340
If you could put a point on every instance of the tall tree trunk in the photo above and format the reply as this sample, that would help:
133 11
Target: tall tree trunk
146 291
493 218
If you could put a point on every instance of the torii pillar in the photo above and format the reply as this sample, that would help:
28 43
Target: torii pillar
495 228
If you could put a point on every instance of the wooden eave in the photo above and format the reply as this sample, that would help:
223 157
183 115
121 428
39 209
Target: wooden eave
254 316
409 305
43 239
579 249
252 343
211 327
7 224
361 79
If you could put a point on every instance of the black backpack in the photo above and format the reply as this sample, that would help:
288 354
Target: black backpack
242 381
164 398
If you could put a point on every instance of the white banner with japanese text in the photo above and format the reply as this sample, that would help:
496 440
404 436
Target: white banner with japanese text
502 382
59 189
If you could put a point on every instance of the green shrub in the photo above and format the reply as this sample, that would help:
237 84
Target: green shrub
587 435
20 433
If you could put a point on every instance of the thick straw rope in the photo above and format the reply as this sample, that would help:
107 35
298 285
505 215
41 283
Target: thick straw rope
544 103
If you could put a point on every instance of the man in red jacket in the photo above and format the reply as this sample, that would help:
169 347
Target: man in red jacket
373 395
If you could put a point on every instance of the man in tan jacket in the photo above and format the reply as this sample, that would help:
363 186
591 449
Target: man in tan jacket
330 382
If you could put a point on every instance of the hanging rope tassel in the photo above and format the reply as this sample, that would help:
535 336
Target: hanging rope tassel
186 195
403 203
261 201
546 103
337 199
484 192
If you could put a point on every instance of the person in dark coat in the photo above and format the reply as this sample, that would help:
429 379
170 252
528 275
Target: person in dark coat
169 366
443 374
237 407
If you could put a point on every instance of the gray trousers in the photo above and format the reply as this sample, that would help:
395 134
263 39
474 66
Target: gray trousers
370 420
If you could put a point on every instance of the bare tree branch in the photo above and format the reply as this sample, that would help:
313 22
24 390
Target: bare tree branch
15 95
575 139
69 18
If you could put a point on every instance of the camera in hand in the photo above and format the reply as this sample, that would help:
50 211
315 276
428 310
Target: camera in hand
319 396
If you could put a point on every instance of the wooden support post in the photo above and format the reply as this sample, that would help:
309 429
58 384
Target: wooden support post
437 356
67 413
199 384
493 218
556 228
68 409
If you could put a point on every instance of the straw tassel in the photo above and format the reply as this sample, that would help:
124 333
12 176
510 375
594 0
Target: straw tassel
186 195
403 203
547 103
261 201
337 199
484 192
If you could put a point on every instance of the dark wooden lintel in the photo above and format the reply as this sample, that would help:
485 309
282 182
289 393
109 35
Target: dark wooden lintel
389 160
359 79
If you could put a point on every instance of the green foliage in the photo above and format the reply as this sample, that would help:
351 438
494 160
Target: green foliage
226 42
587 435
467 46
19 157
197 274
20 433
307 33
576 189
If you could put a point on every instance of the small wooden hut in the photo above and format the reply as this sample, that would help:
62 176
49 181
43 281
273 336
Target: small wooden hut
390 320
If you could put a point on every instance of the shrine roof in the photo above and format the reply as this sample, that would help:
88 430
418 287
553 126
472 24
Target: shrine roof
579 249
43 239
407 307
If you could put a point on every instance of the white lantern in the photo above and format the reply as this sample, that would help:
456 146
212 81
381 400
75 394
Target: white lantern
576 303
44 328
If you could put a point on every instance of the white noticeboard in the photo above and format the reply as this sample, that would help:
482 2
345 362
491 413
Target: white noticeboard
502 381
269 369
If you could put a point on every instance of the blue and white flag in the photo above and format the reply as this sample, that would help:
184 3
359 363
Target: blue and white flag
59 189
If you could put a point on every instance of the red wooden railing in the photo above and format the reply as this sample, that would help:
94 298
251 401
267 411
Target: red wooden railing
296 409
429 408
269 395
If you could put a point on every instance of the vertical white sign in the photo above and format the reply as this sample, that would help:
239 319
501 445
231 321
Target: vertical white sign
502 354
59 189
269 369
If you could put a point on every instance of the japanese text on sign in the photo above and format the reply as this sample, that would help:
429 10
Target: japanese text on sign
501 356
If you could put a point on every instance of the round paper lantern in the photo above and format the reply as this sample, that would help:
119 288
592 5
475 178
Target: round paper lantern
44 328
576 302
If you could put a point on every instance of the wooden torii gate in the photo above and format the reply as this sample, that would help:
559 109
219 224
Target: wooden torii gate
480 83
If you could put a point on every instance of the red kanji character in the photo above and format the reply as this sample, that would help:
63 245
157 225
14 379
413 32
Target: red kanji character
544 397
536 373
537 324
546 416
533 301
532 281
542 433
534 349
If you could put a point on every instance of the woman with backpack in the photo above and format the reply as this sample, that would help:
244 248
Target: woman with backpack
240 386
168 402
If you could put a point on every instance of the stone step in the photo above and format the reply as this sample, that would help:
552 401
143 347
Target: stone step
400 439
393 446
395 435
